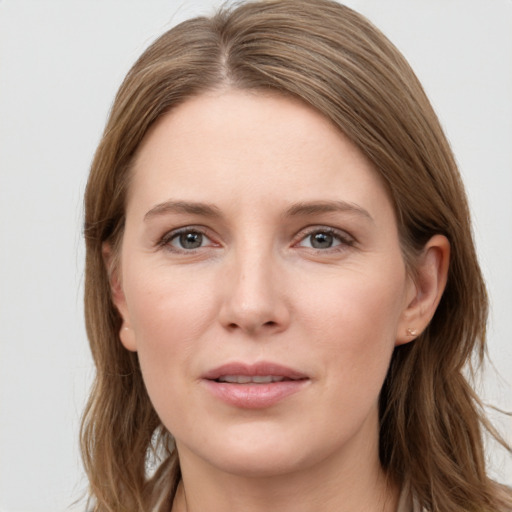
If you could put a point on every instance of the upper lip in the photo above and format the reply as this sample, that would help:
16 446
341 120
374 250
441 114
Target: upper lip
261 368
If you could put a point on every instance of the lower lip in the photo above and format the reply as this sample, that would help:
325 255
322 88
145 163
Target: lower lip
254 396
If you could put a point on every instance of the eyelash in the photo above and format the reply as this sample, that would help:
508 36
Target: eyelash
168 238
343 238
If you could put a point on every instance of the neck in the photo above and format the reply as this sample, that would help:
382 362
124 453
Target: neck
378 496
353 482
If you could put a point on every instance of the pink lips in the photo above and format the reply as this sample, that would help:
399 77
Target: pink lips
233 384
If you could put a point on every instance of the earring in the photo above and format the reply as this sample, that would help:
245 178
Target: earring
411 332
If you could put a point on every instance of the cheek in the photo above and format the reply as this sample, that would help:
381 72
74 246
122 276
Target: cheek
355 322
359 302
163 301
169 313
169 317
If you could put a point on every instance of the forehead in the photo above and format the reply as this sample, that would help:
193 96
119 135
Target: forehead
239 145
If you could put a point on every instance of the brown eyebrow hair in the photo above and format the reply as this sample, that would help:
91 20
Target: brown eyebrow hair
295 210
203 209
311 208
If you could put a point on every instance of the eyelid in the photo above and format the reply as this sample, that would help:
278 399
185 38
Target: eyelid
345 238
165 240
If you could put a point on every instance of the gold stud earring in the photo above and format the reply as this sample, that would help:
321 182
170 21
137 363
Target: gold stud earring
411 332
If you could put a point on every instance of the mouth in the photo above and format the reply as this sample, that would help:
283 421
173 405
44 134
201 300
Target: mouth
262 372
254 386
252 379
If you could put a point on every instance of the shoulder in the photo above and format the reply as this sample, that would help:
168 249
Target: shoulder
406 502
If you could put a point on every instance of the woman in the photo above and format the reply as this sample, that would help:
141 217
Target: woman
282 291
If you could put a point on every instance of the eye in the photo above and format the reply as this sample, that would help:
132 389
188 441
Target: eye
190 240
325 238
321 240
186 239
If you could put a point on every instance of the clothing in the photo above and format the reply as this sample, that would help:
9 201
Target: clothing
406 502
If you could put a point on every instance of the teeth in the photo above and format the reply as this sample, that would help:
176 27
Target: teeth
246 379
262 379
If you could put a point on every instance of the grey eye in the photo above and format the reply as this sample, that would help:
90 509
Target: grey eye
325 238
189 240
321 240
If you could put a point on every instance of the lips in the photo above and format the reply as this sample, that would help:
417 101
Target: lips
253 386
250 379
260 369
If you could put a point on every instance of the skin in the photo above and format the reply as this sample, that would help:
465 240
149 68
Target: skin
260 288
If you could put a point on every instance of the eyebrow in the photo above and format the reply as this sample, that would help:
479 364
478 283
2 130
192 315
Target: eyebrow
192 208
295 210
312 208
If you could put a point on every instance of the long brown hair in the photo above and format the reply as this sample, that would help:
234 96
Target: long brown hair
334 60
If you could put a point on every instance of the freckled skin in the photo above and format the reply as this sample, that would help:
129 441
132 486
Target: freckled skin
256 289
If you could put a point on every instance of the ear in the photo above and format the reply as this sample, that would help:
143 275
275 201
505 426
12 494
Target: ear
425 289
126 334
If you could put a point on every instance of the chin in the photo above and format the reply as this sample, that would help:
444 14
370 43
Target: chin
263 452
262 463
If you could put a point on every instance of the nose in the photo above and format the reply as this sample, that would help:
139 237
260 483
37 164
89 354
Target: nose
254 299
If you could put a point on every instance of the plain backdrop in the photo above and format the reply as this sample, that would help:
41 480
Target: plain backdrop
60 65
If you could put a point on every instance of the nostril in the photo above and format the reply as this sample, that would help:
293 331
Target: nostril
234 325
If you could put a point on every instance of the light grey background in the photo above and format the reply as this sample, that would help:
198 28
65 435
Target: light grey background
60 65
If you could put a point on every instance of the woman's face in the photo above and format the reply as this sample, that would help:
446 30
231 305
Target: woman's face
262 284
